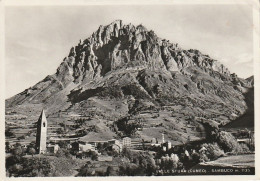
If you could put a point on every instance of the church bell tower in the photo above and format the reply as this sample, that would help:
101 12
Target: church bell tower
41 135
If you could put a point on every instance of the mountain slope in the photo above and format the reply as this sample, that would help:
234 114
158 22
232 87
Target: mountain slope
246 120
125 72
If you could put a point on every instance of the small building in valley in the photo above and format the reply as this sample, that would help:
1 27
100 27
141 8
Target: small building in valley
81 146
86 147
126 142
52 148
105 158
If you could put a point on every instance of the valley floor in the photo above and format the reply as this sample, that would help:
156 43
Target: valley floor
243 164
247 160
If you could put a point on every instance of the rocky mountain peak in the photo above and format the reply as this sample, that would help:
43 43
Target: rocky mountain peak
120 45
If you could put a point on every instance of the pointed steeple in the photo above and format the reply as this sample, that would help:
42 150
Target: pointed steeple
42 116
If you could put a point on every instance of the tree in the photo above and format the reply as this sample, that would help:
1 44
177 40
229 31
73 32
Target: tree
7 147
127 153
18 150
105 145
84 171
32 151
8 133
61 130
28 167
63 153
21 137
195 158
129 169
37 167
94 157
228 142
213 151
31 145
99 146
150 166
109 170
62 144
140 163
203 157
15 169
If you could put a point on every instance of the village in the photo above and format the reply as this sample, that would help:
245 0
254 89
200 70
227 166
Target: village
46 141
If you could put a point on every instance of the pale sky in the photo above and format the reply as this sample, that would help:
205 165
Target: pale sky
38 38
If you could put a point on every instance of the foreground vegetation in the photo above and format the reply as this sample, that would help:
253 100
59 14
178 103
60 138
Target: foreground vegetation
24 163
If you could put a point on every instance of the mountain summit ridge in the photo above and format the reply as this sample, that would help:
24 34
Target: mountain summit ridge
117 45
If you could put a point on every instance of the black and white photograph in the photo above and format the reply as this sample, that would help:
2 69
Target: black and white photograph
126 90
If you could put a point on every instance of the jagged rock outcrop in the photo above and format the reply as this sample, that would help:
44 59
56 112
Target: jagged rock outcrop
117 45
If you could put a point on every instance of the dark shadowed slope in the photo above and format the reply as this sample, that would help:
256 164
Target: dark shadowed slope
247 119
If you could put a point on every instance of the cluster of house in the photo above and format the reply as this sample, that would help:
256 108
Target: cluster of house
72 143
81 146
165 145
84 146
173 157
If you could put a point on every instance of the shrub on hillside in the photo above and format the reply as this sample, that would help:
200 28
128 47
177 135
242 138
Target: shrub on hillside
195 157
229 143
31 151
134 90
63 153
7 147
94 157
213 151
21 137
31 148
168 164
33 167
111 92
84 170
129 169
203 157
245 148
18 150
126 127
9 133
142 163
110 171
37 167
